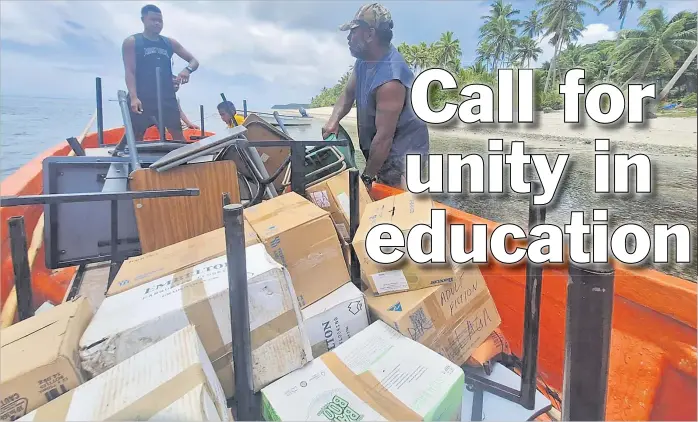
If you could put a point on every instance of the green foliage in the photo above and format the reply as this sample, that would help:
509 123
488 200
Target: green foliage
550 99
653 52
689 100
328 97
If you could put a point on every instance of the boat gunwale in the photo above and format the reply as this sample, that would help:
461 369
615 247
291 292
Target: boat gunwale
640 292
663 295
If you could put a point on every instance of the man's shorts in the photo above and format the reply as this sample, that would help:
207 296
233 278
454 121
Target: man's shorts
149 117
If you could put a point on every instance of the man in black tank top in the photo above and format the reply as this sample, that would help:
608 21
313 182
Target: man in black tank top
143 54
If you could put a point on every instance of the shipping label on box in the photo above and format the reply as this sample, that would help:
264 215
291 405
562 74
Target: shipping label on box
135 319
174 258
301 237
403 211
173 378
332 195
38 358
336 317
378 374
452 319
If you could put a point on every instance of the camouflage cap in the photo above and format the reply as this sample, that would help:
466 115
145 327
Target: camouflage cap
374 15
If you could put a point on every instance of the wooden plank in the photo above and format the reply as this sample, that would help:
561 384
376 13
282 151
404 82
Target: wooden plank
259 129
164 221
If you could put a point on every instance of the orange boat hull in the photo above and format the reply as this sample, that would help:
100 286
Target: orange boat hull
653 345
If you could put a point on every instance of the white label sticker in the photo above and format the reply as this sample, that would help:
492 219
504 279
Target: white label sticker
320 199
342 229
390 281
343 200
264 157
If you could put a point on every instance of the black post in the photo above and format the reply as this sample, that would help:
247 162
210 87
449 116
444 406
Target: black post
239 313
534 278
587 341
354 216
75 146
244 108
158 92
100 116
115 262
298 168
280 122
201 112
20 265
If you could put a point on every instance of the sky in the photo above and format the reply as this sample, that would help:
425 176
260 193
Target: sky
267 52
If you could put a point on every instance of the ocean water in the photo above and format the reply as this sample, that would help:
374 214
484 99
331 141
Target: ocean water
30 125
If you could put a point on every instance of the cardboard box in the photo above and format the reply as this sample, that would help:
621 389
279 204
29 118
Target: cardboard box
173 379
137 318
404 211
451 319
38 358
302 238
174 258
336 317
376 375
332 195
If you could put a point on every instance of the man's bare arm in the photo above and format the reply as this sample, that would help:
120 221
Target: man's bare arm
128 52
346 100
184 54
390 98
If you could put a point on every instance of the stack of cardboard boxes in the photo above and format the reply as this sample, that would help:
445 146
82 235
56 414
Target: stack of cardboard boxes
448 309
159 346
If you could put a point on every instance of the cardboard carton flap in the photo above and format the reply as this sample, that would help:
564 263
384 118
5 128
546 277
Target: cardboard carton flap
40 340
369 389
375 213
282 213
347 292
173 258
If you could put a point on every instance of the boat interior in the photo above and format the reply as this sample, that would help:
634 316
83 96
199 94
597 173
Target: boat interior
94 201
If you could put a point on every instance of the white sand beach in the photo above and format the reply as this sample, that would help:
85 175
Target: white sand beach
660 132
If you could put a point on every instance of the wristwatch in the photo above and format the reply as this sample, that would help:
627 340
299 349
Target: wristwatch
189 69
367 179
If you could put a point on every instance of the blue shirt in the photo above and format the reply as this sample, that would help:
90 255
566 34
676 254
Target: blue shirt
411 133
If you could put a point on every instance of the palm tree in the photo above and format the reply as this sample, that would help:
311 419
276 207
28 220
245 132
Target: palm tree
562 19
656 43
498 9
678 74
498 34
447 50
408 53
624 6
526 50
485 53
423 56
532 25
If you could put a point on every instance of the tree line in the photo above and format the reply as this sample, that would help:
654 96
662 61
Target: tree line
661 49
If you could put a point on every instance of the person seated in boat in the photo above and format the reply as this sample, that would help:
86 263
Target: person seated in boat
380 83
182 116
303 112
227 111
142 54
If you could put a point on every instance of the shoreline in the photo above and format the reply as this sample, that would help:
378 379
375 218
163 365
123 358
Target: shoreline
669 135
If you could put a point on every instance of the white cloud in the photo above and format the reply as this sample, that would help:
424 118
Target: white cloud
592 33
596 32
225 37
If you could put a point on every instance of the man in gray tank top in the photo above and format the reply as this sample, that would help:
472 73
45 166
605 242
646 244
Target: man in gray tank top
380 84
